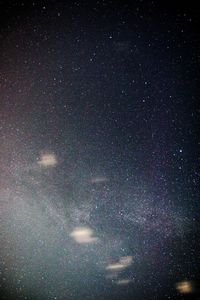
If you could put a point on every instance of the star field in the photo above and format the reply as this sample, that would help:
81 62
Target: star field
99 150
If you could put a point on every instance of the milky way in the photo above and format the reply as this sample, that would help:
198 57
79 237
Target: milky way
99 151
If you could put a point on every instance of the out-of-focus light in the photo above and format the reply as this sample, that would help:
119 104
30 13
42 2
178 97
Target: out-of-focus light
47 160
126 260
114 267
83 235
184 287
99 179
123 263
123 281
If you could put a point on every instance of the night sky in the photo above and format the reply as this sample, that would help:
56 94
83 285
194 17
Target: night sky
99 150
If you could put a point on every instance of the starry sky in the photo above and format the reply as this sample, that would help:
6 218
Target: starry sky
99 150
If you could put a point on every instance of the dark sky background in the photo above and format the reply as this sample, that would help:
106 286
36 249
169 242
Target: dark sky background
99 150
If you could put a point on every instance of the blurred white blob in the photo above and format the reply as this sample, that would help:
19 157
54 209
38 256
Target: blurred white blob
115 267
83 235
47 160
184 287
99 179
123 263
123 281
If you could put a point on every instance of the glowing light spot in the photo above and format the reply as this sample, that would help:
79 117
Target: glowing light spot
47 160
99 179
123 281
185 287
123 263
114 267
83 235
